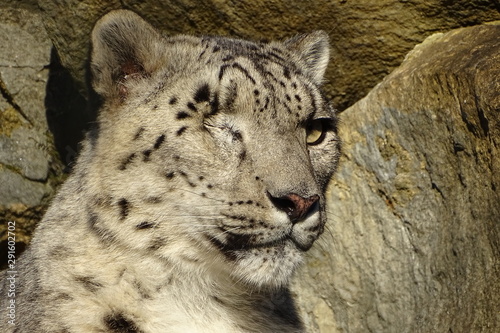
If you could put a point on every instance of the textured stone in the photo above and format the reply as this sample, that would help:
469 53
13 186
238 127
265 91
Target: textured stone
16 189
413 243
24 59
369 38
21 151
28 163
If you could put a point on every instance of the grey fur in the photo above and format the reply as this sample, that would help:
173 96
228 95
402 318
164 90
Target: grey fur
195 195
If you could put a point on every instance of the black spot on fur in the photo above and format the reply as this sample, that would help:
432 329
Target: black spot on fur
297 97
192 107
157 243
159 141
124 206
170 175
183 115
245 71
214 105
126 161
89 283
229 254
243 155
222 70
141 290
181 130
93 218
286 72
235 242
202 94
256 92
202 53
238 67
117 323
216 48
173 101
232 93
145 225
183 174
277 57
138 134
146 155
267 102
236 135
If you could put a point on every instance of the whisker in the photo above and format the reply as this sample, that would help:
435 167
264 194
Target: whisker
199 194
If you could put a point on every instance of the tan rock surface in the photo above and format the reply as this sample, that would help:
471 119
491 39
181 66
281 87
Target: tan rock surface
414 231
369 38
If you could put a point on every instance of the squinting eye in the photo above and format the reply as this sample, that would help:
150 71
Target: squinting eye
315 132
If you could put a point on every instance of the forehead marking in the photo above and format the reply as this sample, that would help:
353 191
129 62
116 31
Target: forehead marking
238 67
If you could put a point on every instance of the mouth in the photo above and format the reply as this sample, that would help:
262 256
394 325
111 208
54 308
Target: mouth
239 243
281 242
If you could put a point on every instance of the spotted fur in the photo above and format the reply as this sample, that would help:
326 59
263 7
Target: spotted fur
195 195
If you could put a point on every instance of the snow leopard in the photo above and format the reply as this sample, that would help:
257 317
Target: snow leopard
195 195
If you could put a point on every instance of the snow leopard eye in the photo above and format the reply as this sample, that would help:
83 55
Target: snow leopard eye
316 131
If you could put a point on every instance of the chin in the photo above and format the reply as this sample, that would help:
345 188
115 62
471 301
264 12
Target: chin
267 267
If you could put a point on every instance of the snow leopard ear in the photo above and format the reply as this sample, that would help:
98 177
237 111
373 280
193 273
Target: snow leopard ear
314 50
125 50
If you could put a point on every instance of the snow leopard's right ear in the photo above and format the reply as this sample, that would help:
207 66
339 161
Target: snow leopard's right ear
125 50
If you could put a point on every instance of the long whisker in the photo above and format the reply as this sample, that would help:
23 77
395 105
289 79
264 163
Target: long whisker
199 194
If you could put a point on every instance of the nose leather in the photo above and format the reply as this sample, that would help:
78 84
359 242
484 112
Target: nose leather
294 205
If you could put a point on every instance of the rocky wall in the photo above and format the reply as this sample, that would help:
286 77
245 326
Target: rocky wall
413 243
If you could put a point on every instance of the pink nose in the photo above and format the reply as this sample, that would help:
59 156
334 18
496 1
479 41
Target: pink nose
295 206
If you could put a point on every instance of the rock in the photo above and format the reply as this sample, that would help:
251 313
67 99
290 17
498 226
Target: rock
29 166
413 242
368 38
17 190
22 151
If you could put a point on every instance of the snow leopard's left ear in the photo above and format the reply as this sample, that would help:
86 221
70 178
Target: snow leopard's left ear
125 50
314 51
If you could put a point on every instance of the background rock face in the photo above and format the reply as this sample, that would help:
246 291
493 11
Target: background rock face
413 242
28 163
369 38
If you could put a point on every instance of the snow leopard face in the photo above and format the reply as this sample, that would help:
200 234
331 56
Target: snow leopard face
210 152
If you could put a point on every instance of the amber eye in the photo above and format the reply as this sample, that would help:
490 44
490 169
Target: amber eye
315 132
